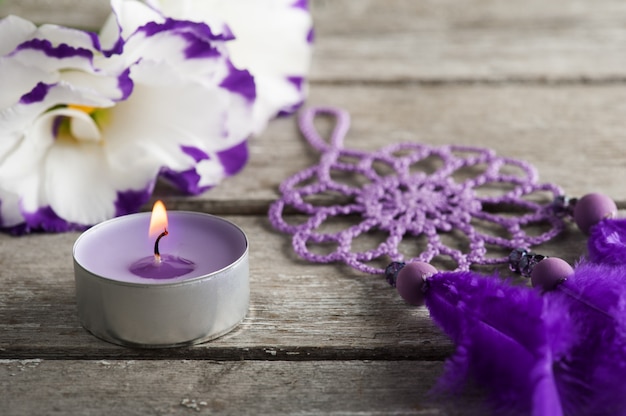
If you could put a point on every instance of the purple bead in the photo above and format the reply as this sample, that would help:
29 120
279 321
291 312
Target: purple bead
549 272
411 279
591 209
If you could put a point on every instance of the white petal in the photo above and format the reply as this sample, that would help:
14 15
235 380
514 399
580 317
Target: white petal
211 172
10 214
13 31
76 183
84 128
21 166
273 94
239 123
81 185
165 112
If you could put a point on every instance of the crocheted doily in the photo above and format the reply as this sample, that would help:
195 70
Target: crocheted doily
411 191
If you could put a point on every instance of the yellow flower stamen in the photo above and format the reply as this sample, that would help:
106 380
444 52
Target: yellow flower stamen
83 108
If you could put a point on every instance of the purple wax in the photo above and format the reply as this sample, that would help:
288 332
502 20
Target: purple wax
166 268
201 243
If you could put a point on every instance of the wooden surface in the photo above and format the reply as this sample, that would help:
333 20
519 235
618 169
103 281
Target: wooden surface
541 81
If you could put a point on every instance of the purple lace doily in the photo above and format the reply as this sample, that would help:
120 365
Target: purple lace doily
394 191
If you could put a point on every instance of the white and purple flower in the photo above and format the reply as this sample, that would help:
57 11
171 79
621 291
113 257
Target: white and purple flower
88 122
273 40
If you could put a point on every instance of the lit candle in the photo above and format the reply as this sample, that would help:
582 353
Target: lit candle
189 287
161 266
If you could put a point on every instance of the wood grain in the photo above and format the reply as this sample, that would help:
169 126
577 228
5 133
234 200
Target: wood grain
298 311
434 41
566 132
535 80
84 14
469 41
140 387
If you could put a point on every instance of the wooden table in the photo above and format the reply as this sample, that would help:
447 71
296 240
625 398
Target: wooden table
537 80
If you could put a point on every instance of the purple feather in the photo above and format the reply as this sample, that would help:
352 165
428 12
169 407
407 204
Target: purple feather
560 353
501 338
590 366
607 242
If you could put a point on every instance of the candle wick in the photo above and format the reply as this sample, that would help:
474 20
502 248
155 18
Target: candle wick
157 255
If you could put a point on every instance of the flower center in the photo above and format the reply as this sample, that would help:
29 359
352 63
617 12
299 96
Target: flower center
83 108
79 123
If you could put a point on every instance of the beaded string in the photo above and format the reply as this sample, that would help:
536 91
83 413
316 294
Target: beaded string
566 334
405 200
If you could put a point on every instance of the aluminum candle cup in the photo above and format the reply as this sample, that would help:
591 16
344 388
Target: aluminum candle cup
121 307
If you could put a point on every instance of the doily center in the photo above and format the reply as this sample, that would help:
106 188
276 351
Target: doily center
418 204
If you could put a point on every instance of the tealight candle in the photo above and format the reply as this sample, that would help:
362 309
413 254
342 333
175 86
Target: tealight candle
187 285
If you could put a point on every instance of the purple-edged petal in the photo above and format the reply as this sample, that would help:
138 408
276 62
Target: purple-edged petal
239 82
46 219
234 159
187 181
18 79
195 153
310 37
37 94
272 41
159 117
130 200
58 35
209 169
126 18
301 4
185 27
87 124
52 58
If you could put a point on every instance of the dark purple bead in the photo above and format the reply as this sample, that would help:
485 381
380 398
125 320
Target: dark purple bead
529 262
391 272
563 206
522 261
515 258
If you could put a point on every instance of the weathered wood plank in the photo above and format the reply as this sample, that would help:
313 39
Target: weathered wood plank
566 132
322 338
298 311
87 14
435 41
228 388
469 40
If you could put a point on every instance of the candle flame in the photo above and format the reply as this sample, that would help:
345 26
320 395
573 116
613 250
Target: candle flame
158 220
